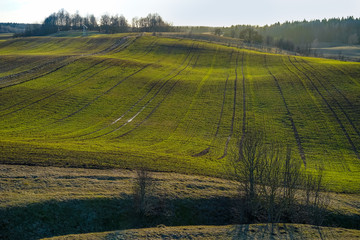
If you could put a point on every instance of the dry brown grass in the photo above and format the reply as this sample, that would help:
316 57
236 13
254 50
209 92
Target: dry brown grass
22 185
253 231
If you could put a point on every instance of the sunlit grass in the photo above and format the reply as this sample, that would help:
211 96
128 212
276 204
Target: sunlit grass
172 104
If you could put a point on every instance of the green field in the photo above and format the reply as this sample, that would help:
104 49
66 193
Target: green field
177 105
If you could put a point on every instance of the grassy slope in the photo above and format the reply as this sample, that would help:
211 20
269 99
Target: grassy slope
170 104
38 202
253 231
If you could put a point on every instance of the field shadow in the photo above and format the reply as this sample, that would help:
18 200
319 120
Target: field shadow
56 218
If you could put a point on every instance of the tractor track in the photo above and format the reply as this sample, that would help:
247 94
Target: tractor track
39 76
54 93
331 110
33 69
334 99
207 150
125 44
244 102
154 109
149 115
120 43
336 89
106 92
234 110
150 49
146 104
117 44
289 114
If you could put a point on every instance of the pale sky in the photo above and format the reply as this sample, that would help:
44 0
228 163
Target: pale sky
186 12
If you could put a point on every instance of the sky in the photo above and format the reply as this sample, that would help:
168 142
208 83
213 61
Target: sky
215 13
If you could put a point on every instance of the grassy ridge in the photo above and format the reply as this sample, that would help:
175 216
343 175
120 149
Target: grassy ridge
173 105
38 202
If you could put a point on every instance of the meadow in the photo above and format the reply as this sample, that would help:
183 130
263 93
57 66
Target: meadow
173 105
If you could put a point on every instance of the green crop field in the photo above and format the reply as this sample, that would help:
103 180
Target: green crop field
177 105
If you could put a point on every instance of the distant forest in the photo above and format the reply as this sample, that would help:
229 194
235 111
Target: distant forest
296 36
12 27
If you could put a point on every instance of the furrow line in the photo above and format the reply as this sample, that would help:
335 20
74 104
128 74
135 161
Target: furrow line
119 43
288 113
104 93
54 94
34 69
334 99
332 111
142 98
42 75
149 115
234 110
154 109
207 150
150 49
336 89
65 80
244 102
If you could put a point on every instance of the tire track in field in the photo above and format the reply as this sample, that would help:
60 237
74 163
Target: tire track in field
234 110
106 92
195 97
145 105
42 75
311 95
289 114
149 115
244 102
332 111
117 44
337 90
333 98
155 108
56 93
143 97
120 43
207 150
34 69
150 48
65 80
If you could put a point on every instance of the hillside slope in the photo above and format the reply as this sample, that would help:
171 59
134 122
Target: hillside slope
173 105
38 202
253 231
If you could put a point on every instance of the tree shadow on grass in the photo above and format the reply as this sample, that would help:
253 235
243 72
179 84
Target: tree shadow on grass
56 218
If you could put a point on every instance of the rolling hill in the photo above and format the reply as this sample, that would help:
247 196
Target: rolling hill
126 100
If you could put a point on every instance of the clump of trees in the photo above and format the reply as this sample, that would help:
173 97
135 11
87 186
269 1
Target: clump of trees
299 36
63 21
272 185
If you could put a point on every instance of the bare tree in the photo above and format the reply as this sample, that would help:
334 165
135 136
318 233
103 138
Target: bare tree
245 167
143 189
271 181
105 23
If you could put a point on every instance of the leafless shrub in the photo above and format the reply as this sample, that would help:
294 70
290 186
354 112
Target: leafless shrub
270 181
142 192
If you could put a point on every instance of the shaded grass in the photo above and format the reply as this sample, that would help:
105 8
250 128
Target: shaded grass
37 202
253 231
